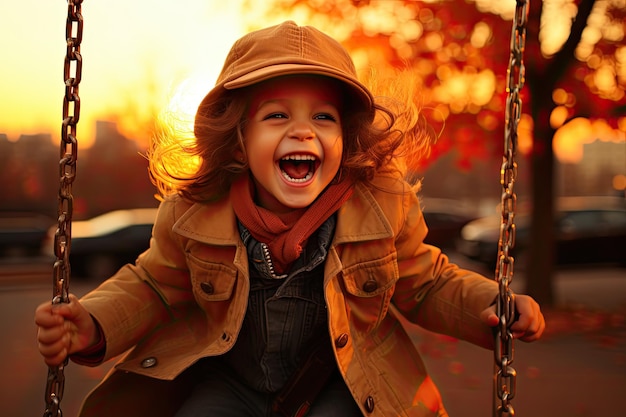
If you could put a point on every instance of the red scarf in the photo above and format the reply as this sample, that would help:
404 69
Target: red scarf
285 234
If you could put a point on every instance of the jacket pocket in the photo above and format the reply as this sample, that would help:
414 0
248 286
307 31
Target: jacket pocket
371 278
369 287
211 281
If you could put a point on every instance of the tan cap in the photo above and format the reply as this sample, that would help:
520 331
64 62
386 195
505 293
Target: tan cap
287 49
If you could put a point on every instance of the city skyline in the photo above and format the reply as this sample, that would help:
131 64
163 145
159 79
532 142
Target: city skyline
585 131
133 69
601 169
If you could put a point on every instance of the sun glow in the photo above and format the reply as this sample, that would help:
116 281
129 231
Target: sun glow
162 57
131 61
569 139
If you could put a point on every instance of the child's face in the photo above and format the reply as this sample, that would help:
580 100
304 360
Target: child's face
293 140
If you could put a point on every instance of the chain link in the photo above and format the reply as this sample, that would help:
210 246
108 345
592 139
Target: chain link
505 374
72 72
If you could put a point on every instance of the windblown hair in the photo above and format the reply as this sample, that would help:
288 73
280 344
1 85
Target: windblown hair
201 166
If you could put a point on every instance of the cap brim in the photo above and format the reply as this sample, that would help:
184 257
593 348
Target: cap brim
262 74
273 71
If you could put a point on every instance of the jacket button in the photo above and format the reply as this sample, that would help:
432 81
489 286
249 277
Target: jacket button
207 287
369 404
342 340
370 285
149 362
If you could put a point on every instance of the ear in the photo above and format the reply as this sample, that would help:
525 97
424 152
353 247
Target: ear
239 156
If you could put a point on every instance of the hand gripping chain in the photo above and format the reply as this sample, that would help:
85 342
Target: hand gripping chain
504 376
67 169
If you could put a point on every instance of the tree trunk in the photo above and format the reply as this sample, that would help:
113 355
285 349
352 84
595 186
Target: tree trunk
540 259
543 75
541 252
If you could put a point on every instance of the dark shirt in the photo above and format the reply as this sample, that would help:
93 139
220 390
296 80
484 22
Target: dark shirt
285 313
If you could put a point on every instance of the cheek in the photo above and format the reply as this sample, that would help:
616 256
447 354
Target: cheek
334 151
255 143
260 158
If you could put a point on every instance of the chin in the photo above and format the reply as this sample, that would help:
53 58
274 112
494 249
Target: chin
304 199
297 203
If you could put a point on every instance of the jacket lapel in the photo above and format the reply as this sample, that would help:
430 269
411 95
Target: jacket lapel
214 224
361 218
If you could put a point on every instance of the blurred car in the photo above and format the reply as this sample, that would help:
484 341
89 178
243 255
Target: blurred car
587 230
445 218
103 244
22 233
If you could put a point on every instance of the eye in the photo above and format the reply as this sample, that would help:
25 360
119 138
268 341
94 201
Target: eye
275 115
325 116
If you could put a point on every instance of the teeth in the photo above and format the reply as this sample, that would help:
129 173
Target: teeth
306 158
288 178
299 158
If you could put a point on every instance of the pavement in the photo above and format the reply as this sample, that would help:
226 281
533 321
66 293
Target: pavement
577 370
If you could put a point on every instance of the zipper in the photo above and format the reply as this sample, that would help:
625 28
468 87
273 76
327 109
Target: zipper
270 264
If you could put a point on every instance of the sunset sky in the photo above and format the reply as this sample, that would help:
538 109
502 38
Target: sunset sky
137 55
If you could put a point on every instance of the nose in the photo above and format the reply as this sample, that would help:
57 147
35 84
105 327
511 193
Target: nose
301 130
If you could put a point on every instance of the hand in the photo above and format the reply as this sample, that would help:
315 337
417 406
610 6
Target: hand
529 324
63 329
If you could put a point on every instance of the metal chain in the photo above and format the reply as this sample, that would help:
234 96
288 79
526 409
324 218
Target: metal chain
505 374
72 73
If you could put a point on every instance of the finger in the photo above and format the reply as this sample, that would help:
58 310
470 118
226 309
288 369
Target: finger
45 316
49 320
535 331
54 353
53 349
67 310
530 325
56 360
522 324
70 311
48 335
489 317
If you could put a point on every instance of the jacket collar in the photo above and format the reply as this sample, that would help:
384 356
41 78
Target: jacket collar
360 218
212 223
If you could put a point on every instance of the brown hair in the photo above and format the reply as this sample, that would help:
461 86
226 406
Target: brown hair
398 133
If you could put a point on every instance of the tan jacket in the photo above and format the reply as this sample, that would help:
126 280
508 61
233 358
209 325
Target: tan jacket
186 298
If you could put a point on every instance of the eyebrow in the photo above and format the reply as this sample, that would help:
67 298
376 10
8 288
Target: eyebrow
253 110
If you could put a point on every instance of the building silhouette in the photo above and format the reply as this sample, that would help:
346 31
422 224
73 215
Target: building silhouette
601 162
113 174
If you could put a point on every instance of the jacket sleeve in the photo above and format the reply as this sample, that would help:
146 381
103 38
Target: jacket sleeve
433 292
139 298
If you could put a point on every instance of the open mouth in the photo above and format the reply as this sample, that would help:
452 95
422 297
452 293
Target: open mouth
298 168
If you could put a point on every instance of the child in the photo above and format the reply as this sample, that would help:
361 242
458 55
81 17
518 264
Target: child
278 269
